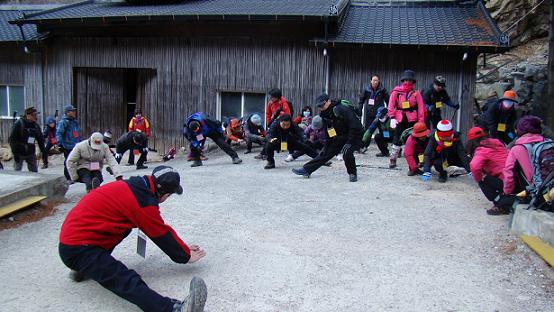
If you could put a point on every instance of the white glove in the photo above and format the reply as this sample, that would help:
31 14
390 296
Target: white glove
393 123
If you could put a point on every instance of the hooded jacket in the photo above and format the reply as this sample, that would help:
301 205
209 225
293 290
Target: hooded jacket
251 130
68 133
140 125
519 155
83 155
416 111
208 126
436 150
414 147
373 99
50 133
488 159
234 131
432 98
494 115
127 141
294 132
274 110
344 120
105 216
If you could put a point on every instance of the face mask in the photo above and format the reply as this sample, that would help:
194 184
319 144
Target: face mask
507 104
306 113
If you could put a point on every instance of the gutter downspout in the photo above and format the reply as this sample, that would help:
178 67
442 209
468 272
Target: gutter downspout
327 57
461 91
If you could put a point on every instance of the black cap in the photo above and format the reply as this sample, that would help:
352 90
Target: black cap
321 99
408 75
167 180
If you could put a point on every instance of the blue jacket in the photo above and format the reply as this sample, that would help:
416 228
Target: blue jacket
208 126
68 133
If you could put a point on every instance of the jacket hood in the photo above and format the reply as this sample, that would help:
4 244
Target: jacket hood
493 144
530 138
50 120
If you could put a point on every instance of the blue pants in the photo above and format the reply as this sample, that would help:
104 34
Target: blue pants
101 266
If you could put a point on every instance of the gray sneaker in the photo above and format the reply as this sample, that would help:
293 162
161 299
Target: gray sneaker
196 299
237 160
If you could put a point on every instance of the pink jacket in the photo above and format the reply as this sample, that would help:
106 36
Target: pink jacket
412 150
519 154
398 96
489 159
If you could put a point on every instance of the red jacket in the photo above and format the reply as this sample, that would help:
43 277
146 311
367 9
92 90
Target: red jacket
416 111
488 159
519 154
413 149
271 108
140 125
105 216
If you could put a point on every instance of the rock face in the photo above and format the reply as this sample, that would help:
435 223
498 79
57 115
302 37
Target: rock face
532 26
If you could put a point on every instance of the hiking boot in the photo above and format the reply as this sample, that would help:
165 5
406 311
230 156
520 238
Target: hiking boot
381 154
139 167
196 163
496 211
44 166
301 172
259 156
76 276
196 299
328 164
339 158
247 152
237 160
392 163
353 177
289 158
95 183
269 165
443 177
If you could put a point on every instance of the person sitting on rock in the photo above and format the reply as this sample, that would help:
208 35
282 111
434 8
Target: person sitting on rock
130 141
284 135
415 148
253 132
102 219
385 135
200 126
488 157
444 149
86 160
499 119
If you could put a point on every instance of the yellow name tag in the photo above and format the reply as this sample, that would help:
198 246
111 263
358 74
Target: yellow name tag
420 157
445 164
405 104
546 197
501 127
438 104
284 146
332 133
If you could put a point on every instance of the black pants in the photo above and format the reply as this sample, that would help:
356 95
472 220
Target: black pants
141 159
400 128
316 146
65 155
99 265
31 161
492 188
382 143
250 140
219 140
292 145
333 148
86 176
453 160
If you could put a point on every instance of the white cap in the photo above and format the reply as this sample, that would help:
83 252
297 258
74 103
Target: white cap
96 140
444 125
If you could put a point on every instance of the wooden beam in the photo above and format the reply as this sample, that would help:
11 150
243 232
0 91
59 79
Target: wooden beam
544 250
19 205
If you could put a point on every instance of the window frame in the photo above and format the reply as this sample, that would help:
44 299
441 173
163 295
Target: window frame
242 102
10 111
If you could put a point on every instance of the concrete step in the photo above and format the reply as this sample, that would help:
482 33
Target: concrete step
18 185
533 222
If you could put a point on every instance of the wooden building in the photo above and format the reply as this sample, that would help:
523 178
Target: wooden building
222 56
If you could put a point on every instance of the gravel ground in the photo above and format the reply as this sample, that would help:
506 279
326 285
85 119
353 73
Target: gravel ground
278 242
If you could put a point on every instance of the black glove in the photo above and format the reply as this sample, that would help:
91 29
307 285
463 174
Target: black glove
457 106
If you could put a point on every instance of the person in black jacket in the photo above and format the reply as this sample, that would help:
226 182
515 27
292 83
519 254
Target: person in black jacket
101 221
385 135
130 141
285 135
344 132
372 98
25 135
500 118
435 97
443 150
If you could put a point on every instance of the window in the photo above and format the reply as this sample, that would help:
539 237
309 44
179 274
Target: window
12 99
240 104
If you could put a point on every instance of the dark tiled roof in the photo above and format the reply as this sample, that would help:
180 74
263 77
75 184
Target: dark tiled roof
195 8
437 24
9 32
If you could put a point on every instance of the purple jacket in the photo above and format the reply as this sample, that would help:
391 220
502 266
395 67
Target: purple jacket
315 135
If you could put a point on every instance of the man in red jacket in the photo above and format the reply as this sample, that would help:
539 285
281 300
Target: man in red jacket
276 107
105 216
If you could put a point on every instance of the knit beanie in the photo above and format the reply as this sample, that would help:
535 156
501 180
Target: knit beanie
529 124
444 129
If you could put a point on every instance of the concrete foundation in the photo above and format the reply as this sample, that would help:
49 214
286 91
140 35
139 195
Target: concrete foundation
533 223
16 185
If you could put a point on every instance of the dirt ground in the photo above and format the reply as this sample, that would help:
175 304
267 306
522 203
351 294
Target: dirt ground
278 242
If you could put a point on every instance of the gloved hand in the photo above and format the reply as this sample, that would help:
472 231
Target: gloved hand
273 140
118 157
109 170
456 106
145 150
346 147
393 123
426 176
